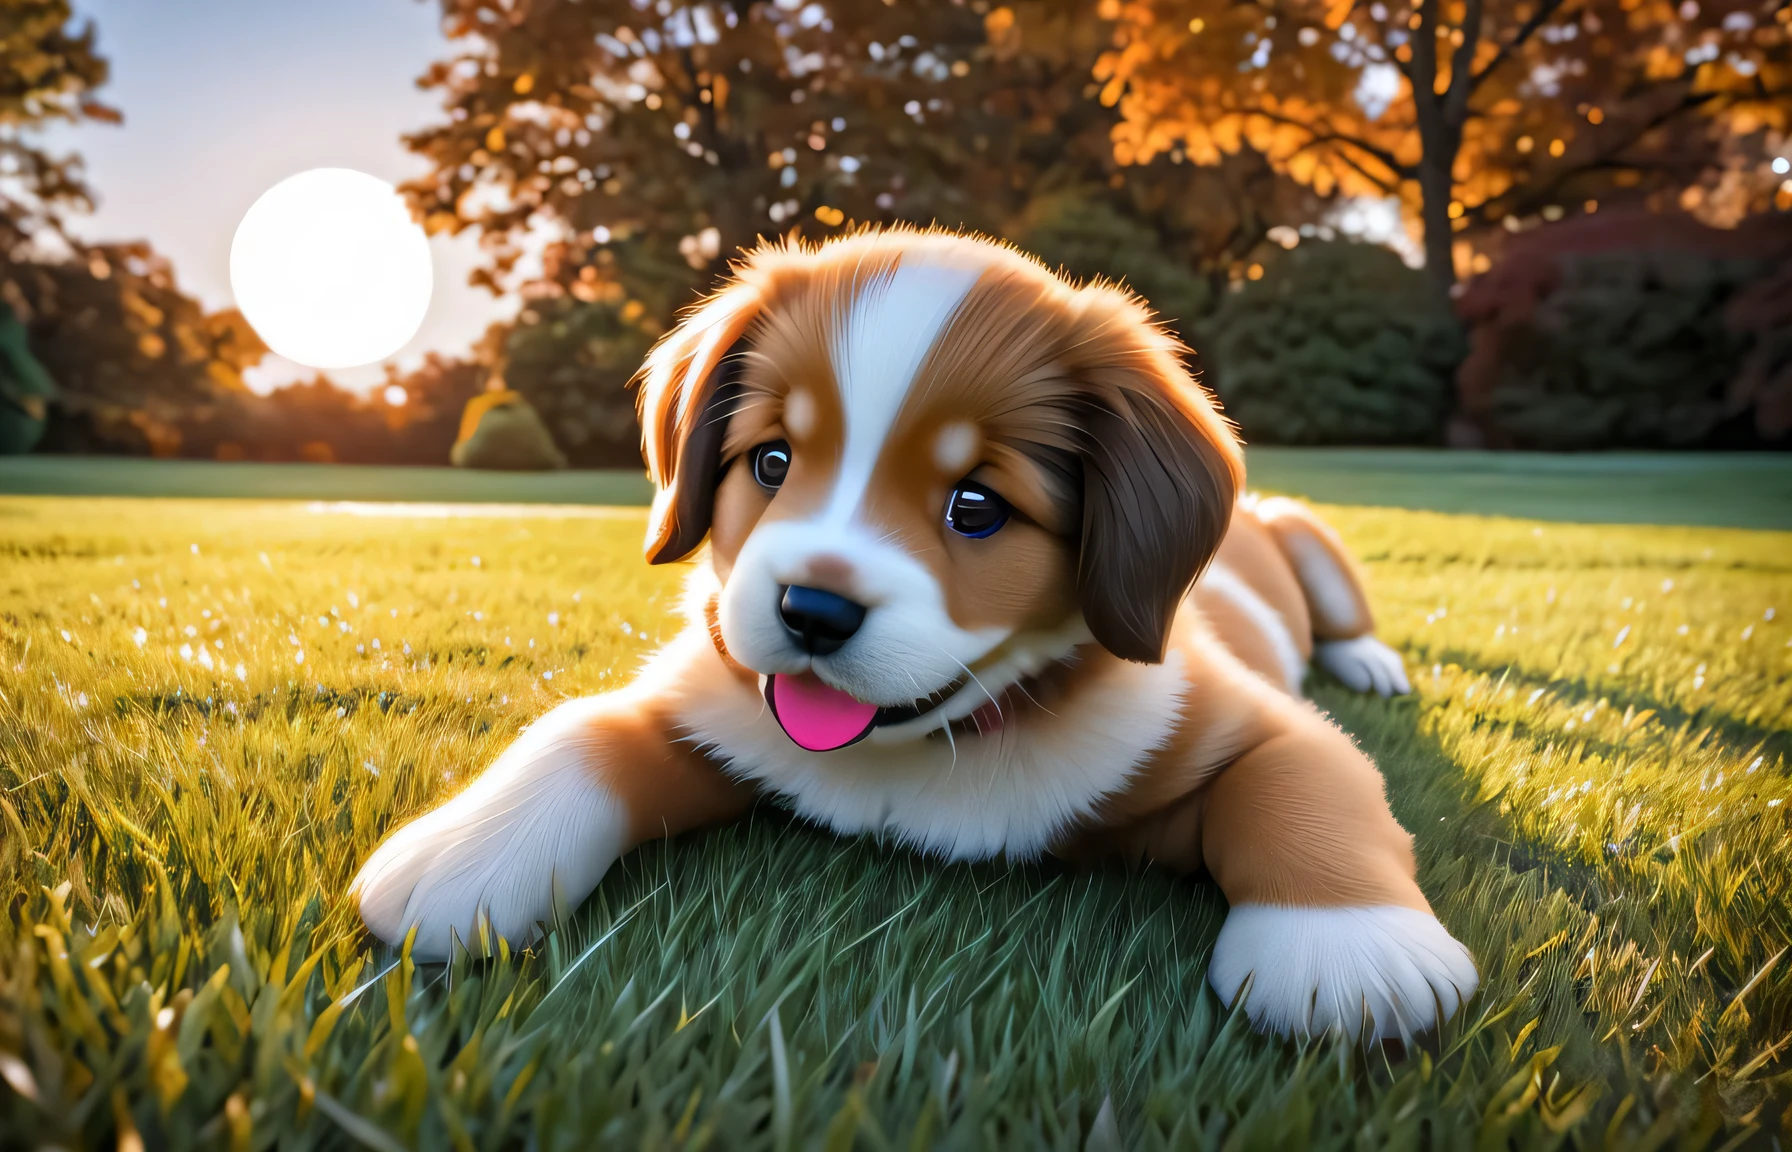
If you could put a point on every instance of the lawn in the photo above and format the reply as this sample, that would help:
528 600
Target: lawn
210 711
1728 489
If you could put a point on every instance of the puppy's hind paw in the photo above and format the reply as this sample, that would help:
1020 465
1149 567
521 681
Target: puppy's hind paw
1389 970
1364 664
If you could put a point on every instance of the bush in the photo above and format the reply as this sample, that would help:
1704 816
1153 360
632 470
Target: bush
1633 331
1631 350
1339 343
500 431
1087 237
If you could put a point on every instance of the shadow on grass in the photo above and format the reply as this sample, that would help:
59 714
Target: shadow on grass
1710 721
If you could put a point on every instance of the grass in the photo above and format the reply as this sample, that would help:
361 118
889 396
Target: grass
1731 490
1727 489
1594 764
205 479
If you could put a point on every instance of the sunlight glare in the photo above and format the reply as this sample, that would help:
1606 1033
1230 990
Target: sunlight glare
331 270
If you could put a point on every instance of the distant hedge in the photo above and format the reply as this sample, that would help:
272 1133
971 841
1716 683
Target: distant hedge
1635 331
1338 343
1629 350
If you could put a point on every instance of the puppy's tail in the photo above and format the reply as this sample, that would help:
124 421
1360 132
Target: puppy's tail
1344 640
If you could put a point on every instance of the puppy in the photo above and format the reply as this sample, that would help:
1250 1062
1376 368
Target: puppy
956 510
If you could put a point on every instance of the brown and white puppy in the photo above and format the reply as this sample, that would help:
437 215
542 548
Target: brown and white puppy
955 507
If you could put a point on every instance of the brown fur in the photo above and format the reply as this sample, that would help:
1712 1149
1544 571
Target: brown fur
1263 793
666 785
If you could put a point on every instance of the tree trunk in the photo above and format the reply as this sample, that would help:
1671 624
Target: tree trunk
1434 212
1440 138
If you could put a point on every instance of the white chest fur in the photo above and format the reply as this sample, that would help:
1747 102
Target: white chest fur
1011 792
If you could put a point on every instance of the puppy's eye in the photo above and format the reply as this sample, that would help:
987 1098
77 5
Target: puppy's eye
973 510
771 464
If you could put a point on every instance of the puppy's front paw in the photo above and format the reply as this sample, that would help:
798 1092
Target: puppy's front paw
1392 969
536 827
1365 664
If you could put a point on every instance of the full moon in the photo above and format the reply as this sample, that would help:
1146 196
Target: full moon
330 269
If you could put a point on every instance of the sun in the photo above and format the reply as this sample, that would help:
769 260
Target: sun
330 269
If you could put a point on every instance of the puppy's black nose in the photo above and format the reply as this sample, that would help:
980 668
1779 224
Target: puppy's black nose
819 621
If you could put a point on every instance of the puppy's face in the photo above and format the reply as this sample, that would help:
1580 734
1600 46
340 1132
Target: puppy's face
927 466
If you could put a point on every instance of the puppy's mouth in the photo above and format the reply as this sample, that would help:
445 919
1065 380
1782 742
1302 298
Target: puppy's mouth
821 718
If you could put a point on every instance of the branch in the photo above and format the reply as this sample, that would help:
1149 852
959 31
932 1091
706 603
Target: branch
1545 9
1424 63
1462 63
1390 189
1382 155
1612 156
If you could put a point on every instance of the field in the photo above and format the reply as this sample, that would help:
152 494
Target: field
1732 490
210 711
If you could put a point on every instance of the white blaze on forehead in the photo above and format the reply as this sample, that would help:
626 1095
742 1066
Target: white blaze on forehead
876 351
955 448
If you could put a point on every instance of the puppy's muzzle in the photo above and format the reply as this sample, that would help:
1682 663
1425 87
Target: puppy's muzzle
819 621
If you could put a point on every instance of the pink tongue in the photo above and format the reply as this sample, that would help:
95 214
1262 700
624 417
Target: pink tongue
816 716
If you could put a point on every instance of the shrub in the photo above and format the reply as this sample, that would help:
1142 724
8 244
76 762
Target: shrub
1633 331
25 388
1630 350
1339 343
500 431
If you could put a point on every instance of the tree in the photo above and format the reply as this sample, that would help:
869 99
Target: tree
662 139
1476 112
651 143
48 73
132 354
316 421
573 363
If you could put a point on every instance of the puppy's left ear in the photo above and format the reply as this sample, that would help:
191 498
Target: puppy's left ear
1161 472
689 382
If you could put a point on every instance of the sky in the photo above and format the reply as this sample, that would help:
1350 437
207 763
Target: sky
222 99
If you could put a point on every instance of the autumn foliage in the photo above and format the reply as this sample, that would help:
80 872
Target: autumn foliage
1477 113
1193 149
654 142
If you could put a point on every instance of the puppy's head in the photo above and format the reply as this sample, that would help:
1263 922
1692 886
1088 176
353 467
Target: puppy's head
924 462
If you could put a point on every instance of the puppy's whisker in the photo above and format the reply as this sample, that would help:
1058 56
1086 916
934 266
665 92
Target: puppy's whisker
980 687
1021 685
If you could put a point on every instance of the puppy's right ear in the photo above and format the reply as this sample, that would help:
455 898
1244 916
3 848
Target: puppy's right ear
688 383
